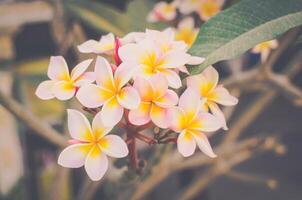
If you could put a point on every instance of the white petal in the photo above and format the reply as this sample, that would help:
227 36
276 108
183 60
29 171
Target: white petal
129 98
98 127
218 113
78 70
103 73
189 101
58 69
96 164
112 112
74 156
115 146
173 78
195 60
78 126
186 144
44 90
124 73
204 144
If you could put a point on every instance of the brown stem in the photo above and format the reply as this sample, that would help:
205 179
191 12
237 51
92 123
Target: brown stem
145 138
92 111
145 126
131 142
168 140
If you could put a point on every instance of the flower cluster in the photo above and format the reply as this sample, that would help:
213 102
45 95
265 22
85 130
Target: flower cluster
135 86
165 12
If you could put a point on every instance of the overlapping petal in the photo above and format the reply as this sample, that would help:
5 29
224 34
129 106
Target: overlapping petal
99 129
186 144
103 73
204 144
159 116
168 100
114 146
205 122
141 115
218 113
58 69
190 103
129 98
222 96
79 70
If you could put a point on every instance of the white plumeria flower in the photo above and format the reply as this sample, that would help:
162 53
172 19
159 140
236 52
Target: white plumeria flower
186 31
62 85
162 11
150 60
106 45
166 40
156 98
188 6
91 145
211 93
111 92
187 120
265 48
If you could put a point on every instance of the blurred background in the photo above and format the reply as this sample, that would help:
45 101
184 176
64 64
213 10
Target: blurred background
261 159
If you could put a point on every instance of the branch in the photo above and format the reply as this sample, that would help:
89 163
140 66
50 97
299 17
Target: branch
39 127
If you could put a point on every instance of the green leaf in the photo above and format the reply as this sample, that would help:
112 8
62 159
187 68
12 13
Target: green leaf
99 16
242 26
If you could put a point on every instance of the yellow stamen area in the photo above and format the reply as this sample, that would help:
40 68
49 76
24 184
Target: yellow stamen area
151 63
106 47
103 143
188 136
69 86
206 88
64 77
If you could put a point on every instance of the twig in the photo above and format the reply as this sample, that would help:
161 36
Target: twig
39 127
88 189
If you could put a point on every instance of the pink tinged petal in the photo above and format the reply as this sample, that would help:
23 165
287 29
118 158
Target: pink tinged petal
86 78
173 78
170 99
186 144
195 60
159 84
141 115
177 119
144 88
78 70
205 122
124 73
79 126
189 101
218 113
129 98
93 96
63 90
204 144
58 69
90 46
96 164
159 116
222 96
44 90
74 155
114 146
103 73
175 59
130 52
98 127
112 112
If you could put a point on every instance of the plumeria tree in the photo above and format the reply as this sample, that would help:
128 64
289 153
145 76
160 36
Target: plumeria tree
145 97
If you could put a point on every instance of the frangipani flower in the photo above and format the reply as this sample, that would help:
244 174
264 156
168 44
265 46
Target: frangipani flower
265 48
162 11
110 91
91 145
106 45
150 60
186 31
211 93
209 8
155 99
62 85
187 120
165 40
